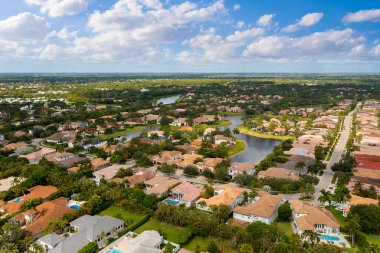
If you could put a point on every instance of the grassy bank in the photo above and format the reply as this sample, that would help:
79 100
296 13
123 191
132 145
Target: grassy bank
245 130
124 132
237 148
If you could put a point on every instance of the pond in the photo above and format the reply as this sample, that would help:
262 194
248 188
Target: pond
130 136
167 100
257 148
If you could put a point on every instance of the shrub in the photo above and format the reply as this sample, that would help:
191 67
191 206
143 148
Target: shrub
92 247
284 212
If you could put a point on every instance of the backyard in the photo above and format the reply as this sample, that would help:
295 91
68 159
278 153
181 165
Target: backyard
200 244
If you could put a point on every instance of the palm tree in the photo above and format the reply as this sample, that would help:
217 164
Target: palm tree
325 196
341 193
311 236
353 225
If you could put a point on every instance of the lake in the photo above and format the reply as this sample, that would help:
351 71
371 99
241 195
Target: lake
257 148
167 100
130 136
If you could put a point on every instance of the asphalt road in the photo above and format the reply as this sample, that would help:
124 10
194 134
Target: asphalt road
326 178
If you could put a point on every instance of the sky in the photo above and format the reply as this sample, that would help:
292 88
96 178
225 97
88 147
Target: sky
304 36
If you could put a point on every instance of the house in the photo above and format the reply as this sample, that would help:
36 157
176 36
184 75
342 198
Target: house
204 119
139 176
158 133
188 160
62 137
238 168
279 173
179 122
160 185
39 191
219 139
99 163
169 157
7 183
208 163
35 221
58 156
223 195
307 217
263 209
186 193
356 200
36 156
107 173
149 241
88 229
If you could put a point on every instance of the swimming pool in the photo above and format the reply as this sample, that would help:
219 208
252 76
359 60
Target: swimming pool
17 200
75 207
172 201
114 251
330 238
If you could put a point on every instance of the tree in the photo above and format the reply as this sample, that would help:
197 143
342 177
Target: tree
208 173
311 236
169 248
325 196
341 193
124 173
212 247
221 174
369 217
300 165
353 225
285 212
208 191
190 170
245 248
319 153
92 247
168 169
56 226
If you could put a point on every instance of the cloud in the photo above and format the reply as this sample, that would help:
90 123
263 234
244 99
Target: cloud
210 46
375 51
236 7
331 44
265 20
135 29
24 27
240 24
59 8
309 19
363 15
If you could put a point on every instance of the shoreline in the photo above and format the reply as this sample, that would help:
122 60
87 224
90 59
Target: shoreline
245 148
246 131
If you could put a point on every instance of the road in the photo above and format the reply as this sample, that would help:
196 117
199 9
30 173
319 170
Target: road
326 178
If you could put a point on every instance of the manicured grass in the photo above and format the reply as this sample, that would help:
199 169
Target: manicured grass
171 233
245 130
338 215
222 123
120 213
124 132
285 228
237 148
201 244
232 113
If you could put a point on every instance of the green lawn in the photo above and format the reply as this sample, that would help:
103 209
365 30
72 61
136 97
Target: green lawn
124 132
338 215
201 244
120 213
285 228
237 148
245 130
171 233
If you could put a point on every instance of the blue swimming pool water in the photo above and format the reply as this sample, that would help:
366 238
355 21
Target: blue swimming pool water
171 201
75 207
17 200
329 238
114 251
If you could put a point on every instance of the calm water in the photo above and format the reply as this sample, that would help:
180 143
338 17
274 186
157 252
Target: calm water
257 148
168 100
130 136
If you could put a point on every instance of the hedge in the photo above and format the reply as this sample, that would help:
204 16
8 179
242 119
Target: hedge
134 225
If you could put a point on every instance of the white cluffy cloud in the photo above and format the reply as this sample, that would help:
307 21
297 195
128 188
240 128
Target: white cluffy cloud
330 44
59 8
265 20
135 29
24 27
363 15
309 19
236 7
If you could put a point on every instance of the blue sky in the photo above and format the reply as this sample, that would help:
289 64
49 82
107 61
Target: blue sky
189 36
